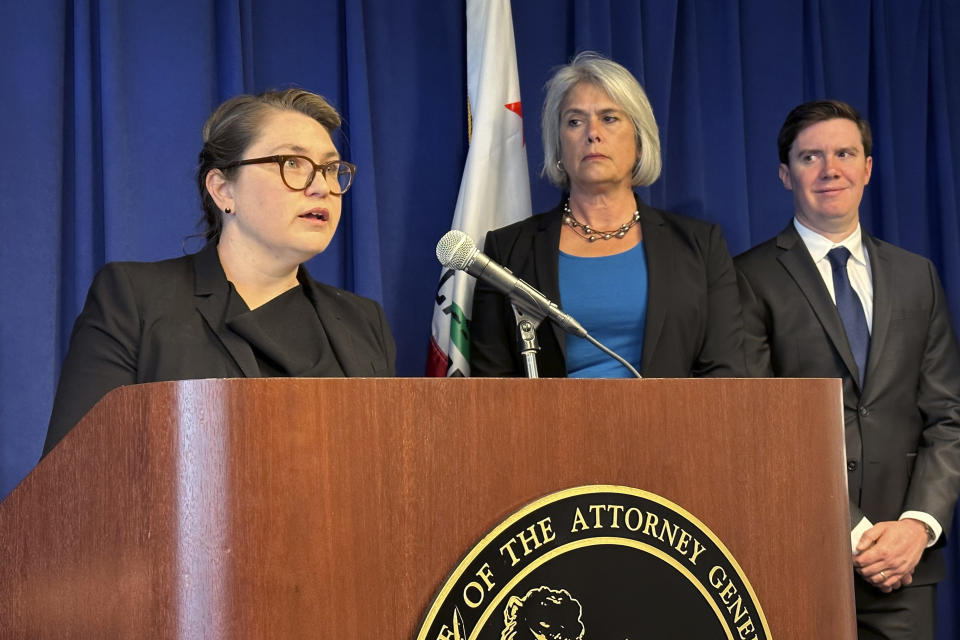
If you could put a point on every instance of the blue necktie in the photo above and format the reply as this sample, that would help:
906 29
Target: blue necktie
851 311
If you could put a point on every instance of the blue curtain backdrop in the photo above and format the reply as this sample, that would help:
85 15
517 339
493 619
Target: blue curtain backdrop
103 103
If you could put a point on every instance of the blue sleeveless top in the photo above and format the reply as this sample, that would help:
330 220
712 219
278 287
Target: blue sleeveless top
608 296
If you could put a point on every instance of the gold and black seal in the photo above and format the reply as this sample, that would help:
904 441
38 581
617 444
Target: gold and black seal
597 561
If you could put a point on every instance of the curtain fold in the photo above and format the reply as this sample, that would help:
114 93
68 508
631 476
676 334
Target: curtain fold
362 216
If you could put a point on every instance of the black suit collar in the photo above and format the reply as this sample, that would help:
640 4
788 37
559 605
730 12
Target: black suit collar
661 263
882 307
798 263
212 293
546 243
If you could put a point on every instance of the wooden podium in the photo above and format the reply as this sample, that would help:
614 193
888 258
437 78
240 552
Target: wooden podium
296 508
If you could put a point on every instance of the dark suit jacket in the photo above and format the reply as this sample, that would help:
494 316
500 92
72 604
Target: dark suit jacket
693 314
155 321
903 426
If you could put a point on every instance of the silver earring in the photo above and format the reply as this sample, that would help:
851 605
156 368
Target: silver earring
559 165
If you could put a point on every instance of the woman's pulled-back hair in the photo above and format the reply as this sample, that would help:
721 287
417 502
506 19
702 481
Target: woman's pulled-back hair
234 126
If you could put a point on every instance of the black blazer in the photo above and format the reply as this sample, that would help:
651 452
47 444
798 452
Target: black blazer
155 321
693 313
903 425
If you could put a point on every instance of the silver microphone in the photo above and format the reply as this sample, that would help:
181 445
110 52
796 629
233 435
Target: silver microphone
456 250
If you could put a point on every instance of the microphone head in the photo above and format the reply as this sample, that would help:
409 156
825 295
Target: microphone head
456 249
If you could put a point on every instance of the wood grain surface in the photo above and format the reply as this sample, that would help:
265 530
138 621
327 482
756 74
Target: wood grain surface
304 508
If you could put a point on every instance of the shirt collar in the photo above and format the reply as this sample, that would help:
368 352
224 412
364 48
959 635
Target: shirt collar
818 246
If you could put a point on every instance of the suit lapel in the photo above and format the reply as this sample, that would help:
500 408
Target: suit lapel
327 303
212 295
546 257
798 263
882 309
660 266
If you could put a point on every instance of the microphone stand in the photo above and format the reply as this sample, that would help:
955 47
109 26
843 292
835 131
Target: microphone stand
528 319
527 324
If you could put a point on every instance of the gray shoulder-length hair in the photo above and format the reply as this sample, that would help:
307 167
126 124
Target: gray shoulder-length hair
624 90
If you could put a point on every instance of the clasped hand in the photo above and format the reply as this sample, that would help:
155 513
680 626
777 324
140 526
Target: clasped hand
888 552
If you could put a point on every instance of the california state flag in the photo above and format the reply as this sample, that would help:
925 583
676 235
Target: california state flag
495 189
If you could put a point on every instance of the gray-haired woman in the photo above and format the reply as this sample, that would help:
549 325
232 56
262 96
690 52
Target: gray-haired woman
656 287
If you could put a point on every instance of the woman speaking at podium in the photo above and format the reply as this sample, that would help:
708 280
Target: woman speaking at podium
658 288
271 183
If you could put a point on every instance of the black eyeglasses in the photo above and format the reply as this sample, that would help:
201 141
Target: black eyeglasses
298 172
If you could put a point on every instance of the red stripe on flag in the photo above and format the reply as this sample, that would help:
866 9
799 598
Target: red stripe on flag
437 361
517 109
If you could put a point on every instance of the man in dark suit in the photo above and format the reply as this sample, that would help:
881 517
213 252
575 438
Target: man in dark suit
825 299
